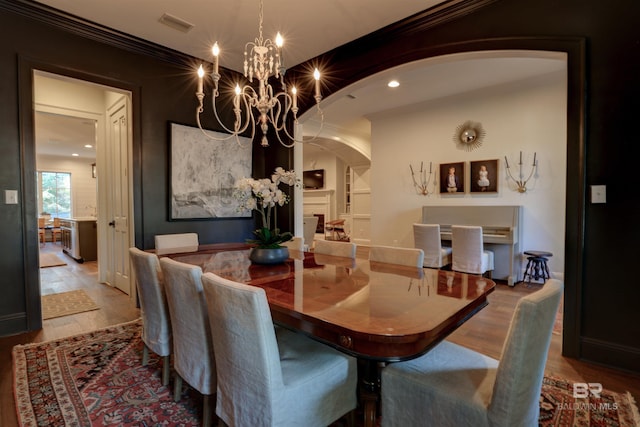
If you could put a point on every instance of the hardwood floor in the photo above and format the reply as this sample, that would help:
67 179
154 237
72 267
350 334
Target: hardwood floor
115 308
485 332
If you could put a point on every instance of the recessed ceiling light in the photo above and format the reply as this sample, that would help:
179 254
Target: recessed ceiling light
393 83
88 146
75 154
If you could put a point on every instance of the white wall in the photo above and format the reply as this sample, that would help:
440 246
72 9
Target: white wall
527 116
83 185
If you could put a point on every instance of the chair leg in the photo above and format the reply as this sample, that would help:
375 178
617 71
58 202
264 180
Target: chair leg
206 411
145 355
351 418
166 370
177 388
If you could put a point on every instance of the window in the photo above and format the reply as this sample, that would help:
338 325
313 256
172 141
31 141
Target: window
54 196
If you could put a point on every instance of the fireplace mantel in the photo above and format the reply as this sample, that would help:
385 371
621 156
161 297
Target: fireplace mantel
327 192
319 203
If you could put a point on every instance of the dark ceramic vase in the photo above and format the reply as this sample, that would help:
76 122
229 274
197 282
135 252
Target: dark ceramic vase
268 255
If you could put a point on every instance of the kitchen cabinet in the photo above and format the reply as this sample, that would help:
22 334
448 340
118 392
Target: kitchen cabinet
79 238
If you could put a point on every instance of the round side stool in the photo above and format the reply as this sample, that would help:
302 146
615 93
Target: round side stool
537 267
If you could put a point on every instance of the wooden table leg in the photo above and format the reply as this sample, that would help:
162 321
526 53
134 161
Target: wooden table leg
369 390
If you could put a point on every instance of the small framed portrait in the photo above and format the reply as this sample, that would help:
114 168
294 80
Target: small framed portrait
484 176
452 178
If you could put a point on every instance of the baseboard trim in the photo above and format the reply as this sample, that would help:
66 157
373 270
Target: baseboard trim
610 354
13 324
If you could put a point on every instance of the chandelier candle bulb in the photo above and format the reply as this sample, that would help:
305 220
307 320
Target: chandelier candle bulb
236 100
506 161
216 52
316 75
279 44
294 97
200 82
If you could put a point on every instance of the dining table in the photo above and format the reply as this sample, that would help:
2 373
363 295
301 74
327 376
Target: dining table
379 313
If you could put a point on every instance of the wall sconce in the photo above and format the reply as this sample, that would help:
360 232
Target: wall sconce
93 170
521 183
422 183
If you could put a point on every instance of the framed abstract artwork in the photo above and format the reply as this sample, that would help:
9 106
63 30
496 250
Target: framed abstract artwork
203 173
484 176
452 178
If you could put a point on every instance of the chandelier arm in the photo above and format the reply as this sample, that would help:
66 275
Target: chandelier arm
250 119
207 134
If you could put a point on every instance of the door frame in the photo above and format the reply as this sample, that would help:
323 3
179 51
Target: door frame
26 108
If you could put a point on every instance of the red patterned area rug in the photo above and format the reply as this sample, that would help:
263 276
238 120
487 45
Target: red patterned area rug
558 407
96 379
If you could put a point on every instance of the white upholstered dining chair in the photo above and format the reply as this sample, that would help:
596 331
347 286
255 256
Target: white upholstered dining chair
156 326
454 386
309 226
468 253
193 358
176 243
296 243
411 257
272 376
427 237
335 248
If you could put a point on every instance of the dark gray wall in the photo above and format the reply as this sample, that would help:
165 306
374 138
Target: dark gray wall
601 38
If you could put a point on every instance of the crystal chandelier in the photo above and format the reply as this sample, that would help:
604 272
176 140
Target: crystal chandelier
262 60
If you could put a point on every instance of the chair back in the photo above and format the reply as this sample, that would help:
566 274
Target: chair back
297 244
335 248
41 222
56 222
192 345
516 392
411 257
310 224
468 252
427 237
247 356
156 327
176 243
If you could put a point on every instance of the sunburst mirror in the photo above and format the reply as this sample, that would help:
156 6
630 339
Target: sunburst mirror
469 135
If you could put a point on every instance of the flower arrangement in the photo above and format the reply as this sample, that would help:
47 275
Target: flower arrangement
264 195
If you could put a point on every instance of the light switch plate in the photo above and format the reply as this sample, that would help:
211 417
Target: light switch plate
598 194
11 197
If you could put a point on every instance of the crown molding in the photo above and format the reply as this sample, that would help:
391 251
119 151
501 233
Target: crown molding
93 31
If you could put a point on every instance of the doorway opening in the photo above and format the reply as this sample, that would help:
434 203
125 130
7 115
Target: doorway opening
82 131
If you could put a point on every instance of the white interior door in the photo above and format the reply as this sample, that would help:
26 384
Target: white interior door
119 230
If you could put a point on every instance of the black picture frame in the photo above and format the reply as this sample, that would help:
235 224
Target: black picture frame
445 187
487 184
203 172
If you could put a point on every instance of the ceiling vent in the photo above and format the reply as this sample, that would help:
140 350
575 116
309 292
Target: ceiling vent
176 23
